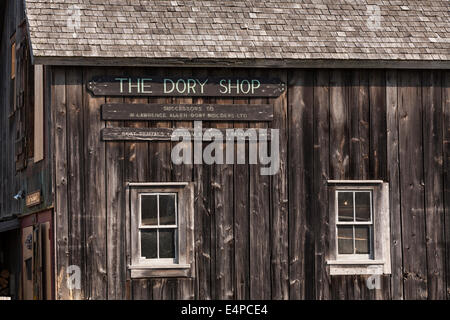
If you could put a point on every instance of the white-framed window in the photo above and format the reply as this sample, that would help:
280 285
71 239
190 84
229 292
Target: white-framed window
354 223
359 227
161 229
158 227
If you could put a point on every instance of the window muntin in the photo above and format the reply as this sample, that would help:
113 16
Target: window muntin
158 227
354 224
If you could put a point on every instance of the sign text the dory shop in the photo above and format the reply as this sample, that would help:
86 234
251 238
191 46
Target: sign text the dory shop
190 86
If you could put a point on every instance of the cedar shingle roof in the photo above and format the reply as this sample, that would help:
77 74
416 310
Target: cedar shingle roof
251 29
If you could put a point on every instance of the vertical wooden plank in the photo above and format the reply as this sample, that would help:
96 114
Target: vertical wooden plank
260 282
184 173
433 171
321 175
222 184
393 176
164 289
358 114
95 195
203 217
300 123
61 197
115 206
446 164
241 215
116 202
339 152
279 227
377 96
141 289
378 148
160 164
76 178
411 185
339 149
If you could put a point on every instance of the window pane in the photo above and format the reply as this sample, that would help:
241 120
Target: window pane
345 206
149 244
167 209
362 238
167 243
362 206
149 210
345 240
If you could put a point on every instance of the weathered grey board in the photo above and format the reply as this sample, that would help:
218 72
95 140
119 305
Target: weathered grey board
392 116
259 229
300 166
183 173
60 176
165 134
75 176
95 195
256 236
446 167
279 228
180 86
241 220
433 172
204 205
412 186
187 112
321 172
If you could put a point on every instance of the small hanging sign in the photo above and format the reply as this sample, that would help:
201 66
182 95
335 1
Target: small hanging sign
33 198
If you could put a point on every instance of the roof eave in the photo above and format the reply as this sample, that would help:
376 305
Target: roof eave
236 63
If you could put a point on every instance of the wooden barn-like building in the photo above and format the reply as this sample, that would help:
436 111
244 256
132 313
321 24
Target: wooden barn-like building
336 183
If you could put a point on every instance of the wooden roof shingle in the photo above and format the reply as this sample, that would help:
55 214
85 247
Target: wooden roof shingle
393 30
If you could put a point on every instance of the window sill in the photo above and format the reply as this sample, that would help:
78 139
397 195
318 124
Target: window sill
160 271
352 262
357 267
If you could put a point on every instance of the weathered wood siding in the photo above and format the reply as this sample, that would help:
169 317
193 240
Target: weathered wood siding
263 237
34 176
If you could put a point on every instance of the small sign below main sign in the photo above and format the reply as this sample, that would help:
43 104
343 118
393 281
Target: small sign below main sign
187 112
166 134
185 87
33 198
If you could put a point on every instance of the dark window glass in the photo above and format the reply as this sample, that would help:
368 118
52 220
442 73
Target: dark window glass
167 209
149 210
149 244
362 206
345 206
345 240
167 243
362 239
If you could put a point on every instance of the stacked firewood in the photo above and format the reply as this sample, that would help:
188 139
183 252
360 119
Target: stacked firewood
4 282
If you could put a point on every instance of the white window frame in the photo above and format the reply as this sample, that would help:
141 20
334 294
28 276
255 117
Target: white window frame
183 263
163 261
355 256
378 261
